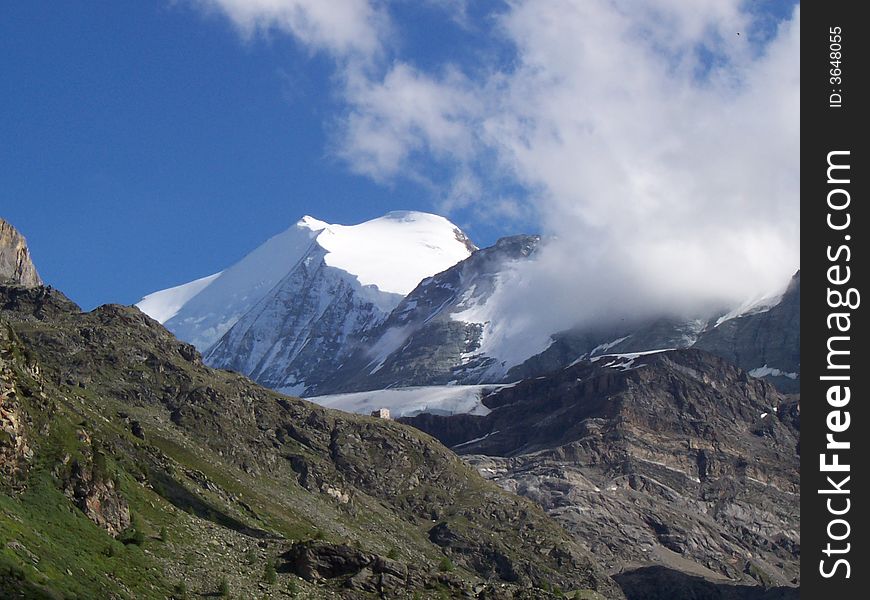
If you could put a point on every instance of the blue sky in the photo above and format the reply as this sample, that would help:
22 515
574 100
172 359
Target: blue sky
145 144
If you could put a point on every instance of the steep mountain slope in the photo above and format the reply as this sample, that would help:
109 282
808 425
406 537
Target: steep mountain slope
297 335
290 312
429 339
676 459
165 304
15 264
201 311
134 471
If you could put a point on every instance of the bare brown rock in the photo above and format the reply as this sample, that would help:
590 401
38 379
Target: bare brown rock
15 264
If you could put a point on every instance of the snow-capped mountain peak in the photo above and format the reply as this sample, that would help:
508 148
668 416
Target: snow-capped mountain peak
312 223
306 294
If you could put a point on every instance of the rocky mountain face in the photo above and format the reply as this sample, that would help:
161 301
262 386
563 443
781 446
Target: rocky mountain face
295 338
677 468
15 264
139 472
422 342
15 430
436 335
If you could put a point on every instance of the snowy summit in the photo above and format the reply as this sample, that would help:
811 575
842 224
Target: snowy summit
394 252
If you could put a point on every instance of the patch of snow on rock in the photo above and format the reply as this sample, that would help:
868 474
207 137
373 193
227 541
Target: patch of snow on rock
766 371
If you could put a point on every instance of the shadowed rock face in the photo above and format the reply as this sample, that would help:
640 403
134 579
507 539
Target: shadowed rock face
15 264
676 459
659 583
769 339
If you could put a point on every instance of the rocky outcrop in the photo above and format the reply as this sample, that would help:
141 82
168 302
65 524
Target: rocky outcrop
676 459
16 266
365 573
88 483
360 572
15 450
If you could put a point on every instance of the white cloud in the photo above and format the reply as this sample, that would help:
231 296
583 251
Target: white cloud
340 27
665 189
405 113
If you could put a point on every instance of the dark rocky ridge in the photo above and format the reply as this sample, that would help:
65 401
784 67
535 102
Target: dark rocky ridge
256 469
661 583
676 459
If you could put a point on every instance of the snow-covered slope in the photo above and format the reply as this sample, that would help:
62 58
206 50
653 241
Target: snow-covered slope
165 304
395 252
202 318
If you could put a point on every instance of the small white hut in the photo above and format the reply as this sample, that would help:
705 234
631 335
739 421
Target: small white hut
381 413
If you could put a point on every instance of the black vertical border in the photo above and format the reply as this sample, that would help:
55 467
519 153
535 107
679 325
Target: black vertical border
825 129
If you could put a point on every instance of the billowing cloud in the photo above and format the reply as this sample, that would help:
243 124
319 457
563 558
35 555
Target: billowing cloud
407 114
666 164
658 149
